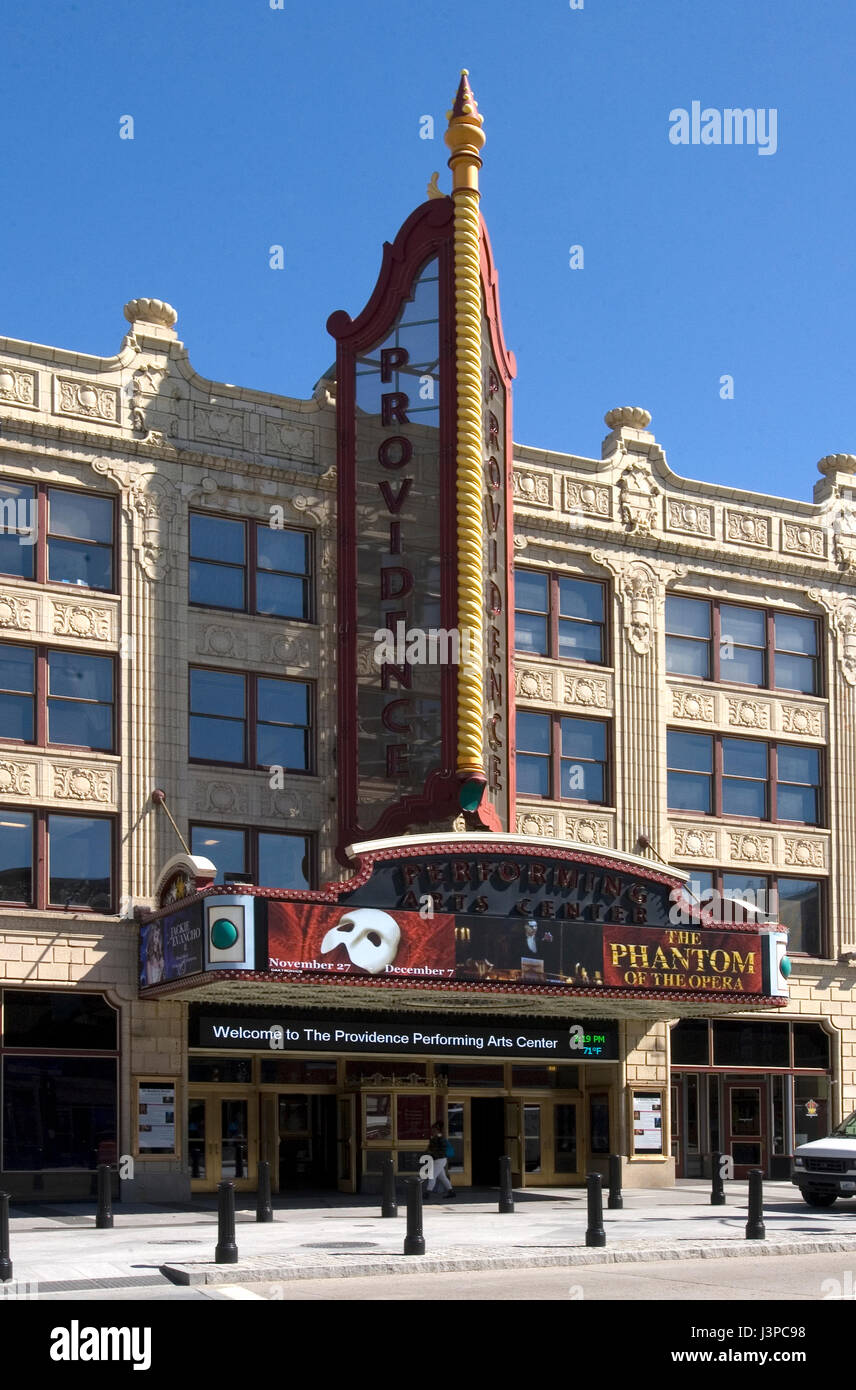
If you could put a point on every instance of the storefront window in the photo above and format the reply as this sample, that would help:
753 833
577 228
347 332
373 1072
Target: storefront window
532 1137
209 1069
378 1117
297 1071
560 1078
691 1043
778 1102
811 1108
414 1117
58 1112
750 1044
811 1046
565 1138
455 1131
462 1076
85 1022
599 1123
374 1072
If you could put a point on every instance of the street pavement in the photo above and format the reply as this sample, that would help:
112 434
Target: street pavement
57 1250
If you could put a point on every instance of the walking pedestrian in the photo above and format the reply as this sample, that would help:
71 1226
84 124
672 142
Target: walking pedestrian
441 1151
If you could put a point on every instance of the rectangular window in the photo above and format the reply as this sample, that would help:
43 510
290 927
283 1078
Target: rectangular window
16 856
232 714
80 862
250 567
688 637
218 717
80 539
56 698
797 903
19 515
690 772
58 1112
53 1020
270 858
17 693
757 647
80 700
57 535
715 774
562 758
559 616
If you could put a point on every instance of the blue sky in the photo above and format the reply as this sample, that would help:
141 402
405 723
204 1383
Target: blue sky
300 127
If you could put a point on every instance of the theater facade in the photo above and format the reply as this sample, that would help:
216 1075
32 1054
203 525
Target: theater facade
361 767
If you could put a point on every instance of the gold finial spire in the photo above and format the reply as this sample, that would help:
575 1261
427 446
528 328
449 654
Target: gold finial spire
465 137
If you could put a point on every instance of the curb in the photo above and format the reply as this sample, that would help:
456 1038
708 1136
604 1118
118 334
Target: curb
439 1264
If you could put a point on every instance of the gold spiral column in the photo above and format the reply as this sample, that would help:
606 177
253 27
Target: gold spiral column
465 139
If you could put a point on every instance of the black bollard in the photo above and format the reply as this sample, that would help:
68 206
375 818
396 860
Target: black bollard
389 1205
414 1241
616 1201
104 1210
264 1210
506 1195
5 1262
595 1234
227 1251
717 1191
755 1228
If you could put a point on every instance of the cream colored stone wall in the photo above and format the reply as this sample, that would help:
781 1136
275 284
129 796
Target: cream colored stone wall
627 519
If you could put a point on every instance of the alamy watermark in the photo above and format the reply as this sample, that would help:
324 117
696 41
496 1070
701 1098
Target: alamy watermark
735 905
19 517
420 646
730 126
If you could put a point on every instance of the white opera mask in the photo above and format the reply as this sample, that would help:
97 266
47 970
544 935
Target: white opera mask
369 936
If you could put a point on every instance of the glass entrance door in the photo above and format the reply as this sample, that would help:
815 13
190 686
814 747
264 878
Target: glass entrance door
222 1142
745 1116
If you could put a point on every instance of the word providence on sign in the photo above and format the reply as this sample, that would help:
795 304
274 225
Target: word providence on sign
76 1343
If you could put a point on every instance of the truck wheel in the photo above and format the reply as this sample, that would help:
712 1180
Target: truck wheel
816 1197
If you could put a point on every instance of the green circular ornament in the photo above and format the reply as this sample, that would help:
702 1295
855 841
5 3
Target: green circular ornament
785 966
223 934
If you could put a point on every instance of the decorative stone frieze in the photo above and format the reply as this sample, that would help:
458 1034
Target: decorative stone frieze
697 844
217 639
801 539
693 705
19 388
291 441
587 499
215 424
81 620
747 528
586 690
751 848
532 489
587 830
86 401
804 853
805 720
748 714
79 783
220 798
17 778
530 823
637 492
17 612
535 684
690 518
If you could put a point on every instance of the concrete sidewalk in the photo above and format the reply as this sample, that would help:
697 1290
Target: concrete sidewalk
58 1249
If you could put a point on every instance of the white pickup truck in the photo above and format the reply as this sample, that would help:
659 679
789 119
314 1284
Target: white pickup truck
826 1168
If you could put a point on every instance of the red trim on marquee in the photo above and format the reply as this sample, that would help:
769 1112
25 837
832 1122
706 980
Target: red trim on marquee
460 987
